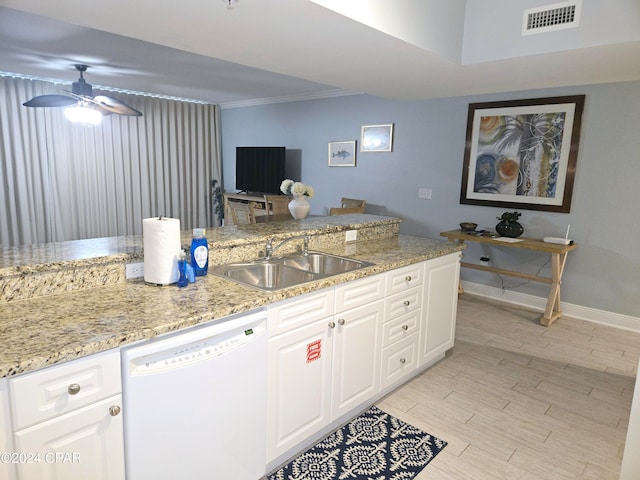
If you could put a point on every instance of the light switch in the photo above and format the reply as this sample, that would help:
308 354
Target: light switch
424 193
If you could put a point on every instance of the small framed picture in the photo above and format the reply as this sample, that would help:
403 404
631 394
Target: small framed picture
342 154
377 138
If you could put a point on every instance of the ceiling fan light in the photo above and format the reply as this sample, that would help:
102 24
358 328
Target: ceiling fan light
83 115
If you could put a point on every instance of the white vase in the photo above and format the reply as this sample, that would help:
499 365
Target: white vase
299 207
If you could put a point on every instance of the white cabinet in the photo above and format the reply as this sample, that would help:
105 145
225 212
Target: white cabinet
70 416
402 323
356 353
356 357
630 468
440 306
334 351
7 469
323 359
299 370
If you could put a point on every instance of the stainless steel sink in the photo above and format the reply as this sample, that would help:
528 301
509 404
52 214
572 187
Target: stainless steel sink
322 263
264 275
287 271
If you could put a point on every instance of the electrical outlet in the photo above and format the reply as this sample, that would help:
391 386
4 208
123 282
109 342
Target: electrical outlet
134 270
351 236
424 193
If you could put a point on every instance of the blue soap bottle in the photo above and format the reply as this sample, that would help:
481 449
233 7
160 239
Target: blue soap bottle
183 281
199 252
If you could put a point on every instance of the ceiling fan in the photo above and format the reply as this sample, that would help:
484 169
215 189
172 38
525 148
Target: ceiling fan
81 97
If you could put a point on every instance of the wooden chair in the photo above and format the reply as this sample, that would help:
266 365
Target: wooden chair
353 203
241 213
346 210
349 205
276 204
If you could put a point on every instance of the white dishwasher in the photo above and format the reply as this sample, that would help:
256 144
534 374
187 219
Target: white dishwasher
194 403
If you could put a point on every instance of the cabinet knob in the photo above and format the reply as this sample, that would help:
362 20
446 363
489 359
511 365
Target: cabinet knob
114 410
403 361
405 327
407 303
341 321
408 278
73 389
332 324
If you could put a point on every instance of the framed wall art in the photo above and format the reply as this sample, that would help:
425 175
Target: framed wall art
342 154
377 138
522 153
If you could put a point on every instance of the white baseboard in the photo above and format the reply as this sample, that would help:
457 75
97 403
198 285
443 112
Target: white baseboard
626 322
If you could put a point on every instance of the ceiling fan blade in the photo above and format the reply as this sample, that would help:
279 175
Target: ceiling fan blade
114 105
102 110
50 101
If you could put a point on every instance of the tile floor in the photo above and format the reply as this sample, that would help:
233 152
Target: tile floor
519 401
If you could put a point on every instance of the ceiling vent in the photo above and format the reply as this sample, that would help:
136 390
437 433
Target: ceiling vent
551 17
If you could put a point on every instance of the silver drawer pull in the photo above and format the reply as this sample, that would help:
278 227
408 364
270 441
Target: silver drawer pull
408 278
405 327
407 303
402 360
332 324
341 321
73 389
114 410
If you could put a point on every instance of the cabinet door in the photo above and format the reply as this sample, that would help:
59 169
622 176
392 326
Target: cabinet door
356 357
86 443
299 380
7 469
440 306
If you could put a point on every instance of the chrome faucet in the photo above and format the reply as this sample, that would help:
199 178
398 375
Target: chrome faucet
269 249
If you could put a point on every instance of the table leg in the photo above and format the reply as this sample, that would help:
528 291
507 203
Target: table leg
552 312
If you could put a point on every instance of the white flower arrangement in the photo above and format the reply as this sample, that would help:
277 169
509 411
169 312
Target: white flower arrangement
297 189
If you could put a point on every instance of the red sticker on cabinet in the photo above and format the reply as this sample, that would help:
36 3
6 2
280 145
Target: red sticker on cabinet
313 351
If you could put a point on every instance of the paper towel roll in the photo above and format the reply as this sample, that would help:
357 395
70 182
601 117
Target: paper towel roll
161 241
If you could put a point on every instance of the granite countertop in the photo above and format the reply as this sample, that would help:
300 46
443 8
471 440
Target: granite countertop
44 331
42 257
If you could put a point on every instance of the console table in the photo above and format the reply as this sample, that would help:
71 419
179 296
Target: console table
558 259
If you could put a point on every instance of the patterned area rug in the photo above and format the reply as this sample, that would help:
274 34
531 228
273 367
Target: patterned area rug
372 446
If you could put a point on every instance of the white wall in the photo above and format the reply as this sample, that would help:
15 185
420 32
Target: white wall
493 28
434 25
602 273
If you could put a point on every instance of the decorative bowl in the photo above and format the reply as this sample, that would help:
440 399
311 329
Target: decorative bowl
468 226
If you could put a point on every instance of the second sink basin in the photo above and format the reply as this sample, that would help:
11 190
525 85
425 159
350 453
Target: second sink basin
322 263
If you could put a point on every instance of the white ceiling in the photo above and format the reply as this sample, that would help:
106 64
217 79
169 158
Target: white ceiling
275 50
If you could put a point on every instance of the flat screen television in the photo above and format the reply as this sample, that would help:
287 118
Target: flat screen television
259 169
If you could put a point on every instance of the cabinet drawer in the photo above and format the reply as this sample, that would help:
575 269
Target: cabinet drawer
292 314
403 303
405 277
62 388
400 328
399 360
359 292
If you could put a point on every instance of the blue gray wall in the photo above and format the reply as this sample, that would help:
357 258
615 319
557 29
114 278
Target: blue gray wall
429 139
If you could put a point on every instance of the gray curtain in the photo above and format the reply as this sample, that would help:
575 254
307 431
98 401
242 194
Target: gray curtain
63 181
